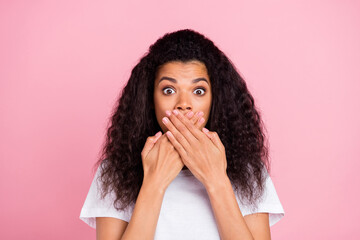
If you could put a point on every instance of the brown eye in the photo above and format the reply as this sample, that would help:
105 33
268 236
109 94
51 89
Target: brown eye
167 90
203 89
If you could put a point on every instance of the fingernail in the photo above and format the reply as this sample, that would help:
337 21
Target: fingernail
165 120
201 120
158 134
205 130
175 112
168 113
190 114
201 114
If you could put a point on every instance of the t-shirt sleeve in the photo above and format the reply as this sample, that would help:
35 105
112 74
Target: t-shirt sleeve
94 206
268 203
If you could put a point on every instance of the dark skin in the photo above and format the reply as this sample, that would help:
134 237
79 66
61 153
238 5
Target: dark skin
174 89
202 151
164 155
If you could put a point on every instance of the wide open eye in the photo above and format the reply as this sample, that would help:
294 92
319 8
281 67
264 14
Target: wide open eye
167 89
203 89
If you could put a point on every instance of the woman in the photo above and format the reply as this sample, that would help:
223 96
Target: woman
189 183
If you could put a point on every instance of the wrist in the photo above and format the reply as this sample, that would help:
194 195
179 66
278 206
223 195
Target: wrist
154 185
217 184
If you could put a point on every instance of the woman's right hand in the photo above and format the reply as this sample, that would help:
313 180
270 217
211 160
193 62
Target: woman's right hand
161 161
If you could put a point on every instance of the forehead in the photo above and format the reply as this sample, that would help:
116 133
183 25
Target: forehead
188 69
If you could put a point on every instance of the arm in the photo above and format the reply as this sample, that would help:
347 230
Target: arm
205 156
143 221
229 219
108 228
161 164
146 213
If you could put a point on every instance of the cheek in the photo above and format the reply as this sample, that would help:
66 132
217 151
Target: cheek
159 116
160 113
157 105
207 114
161 105
206 107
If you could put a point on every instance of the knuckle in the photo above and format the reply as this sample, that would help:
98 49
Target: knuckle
181 128
190 126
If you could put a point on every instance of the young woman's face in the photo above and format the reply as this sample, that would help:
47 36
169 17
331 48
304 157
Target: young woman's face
182 86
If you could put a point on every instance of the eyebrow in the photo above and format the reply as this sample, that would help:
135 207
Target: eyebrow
174 80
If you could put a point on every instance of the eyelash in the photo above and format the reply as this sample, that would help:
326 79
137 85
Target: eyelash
196 89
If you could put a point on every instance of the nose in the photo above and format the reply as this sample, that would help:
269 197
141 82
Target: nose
183 104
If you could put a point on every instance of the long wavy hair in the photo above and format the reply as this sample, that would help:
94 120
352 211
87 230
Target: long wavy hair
233 116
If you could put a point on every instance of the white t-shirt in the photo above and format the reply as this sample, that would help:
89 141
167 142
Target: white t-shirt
186 211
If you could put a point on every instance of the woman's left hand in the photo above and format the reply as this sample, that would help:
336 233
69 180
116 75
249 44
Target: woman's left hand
201 151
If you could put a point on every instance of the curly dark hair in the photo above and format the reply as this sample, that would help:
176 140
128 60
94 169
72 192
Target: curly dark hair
233 116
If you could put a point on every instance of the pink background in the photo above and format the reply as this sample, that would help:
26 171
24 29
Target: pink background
63 64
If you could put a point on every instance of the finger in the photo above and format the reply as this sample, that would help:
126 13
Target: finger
194 118
185 127
180 132
150 141
179 148
200 121
214 137
157 135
